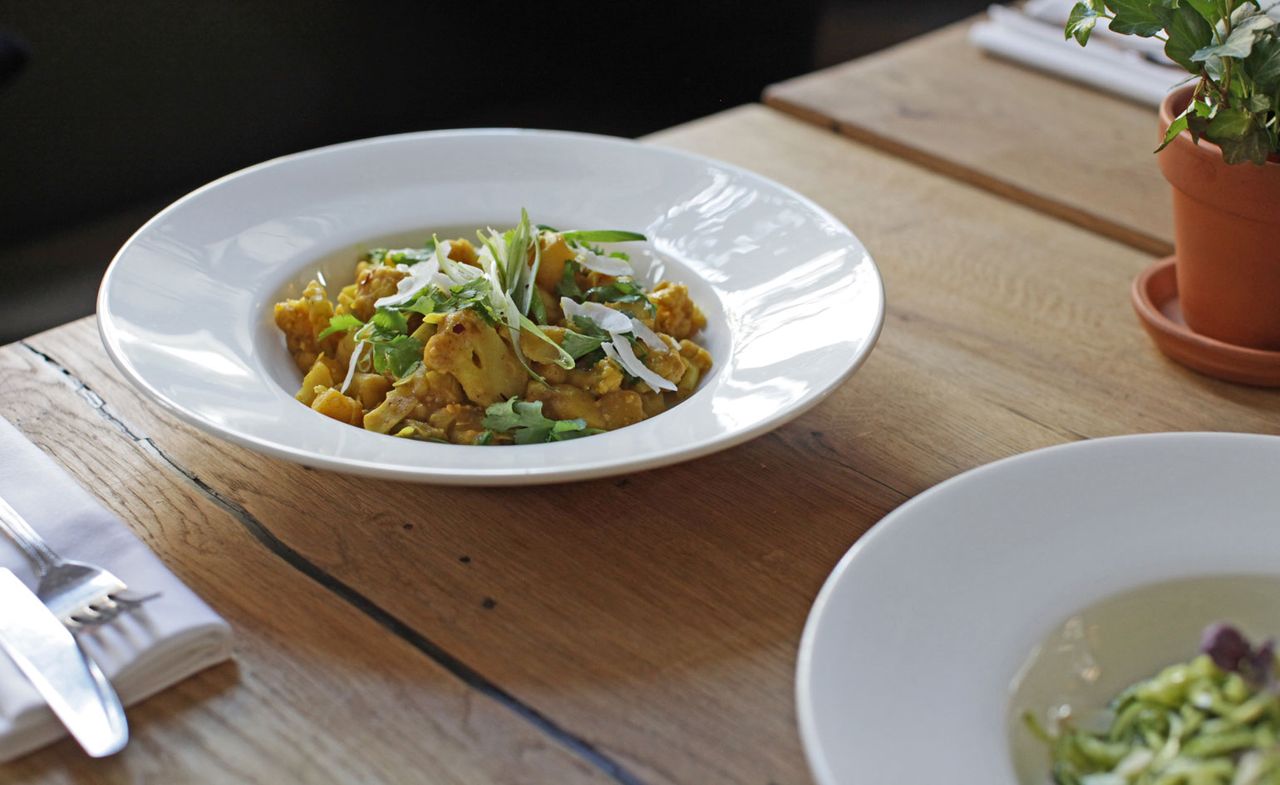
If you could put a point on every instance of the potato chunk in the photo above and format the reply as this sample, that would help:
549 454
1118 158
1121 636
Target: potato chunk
620 408
555 252
462 423
677 315
332 403
318 378
566 402
477 357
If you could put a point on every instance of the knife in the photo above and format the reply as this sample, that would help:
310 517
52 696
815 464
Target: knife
68 679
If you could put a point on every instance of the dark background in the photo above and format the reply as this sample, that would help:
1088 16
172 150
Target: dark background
121 107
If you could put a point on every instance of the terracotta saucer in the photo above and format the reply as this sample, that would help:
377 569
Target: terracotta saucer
1155 298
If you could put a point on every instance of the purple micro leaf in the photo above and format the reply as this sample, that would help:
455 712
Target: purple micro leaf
1231 651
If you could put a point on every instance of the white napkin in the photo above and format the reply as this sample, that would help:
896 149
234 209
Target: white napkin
1120 64
142 653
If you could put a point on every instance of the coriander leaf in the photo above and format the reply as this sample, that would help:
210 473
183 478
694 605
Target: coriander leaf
1188 33
410 256
568 285
398 356
1135 17
340 323
545 228
527 424
389 322
603 236
622 290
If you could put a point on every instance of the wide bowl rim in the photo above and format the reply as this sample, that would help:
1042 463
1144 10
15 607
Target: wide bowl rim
561 472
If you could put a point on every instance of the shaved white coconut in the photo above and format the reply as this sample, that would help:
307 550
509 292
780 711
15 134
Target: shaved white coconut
649 337
620 351
610 320
605 265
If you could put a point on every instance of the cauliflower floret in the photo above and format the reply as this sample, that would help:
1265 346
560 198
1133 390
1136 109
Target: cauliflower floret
677 315
478 358
670 364
374 283
301 320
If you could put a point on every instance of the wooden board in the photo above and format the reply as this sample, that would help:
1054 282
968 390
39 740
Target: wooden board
317 691
654 618
1065 149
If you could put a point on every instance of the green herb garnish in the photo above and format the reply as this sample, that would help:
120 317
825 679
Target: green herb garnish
623 290
340 324
568 285
527 425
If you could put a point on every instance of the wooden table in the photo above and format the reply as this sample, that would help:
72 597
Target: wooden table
644 629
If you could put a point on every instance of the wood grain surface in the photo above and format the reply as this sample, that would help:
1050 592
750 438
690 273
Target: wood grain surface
1062 148
317 692
643 626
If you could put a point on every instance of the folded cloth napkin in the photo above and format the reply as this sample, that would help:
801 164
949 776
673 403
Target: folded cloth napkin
1133 67
143 652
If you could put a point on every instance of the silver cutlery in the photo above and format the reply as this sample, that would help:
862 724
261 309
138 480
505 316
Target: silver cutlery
79 594
69 680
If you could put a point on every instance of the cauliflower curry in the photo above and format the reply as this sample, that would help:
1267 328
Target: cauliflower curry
535 335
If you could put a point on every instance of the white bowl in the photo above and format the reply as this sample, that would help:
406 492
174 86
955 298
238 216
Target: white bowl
794 302
1056 576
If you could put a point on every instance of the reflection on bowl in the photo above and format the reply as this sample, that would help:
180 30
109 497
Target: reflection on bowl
1087 659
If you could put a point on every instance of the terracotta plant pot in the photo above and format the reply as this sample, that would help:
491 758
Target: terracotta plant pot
1226 237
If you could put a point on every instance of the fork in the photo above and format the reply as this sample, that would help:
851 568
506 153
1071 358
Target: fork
79 594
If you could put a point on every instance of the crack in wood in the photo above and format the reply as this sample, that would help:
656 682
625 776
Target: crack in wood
396 626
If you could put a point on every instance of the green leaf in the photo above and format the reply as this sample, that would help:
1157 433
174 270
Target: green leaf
1229 124
1176 127
1239 43
1188 33
579 345
1135 17
623 290
1080 23
389 322
339 324
526 423
409 256
1206 9
398 356
1258 103
1263 64
603 236
484 437
1253 146
568 285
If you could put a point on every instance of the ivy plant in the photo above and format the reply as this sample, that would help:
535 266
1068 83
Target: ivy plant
1232 50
